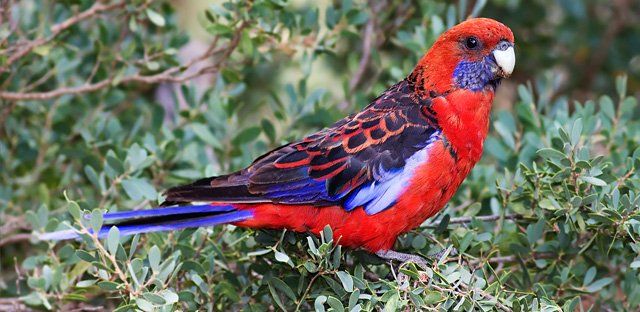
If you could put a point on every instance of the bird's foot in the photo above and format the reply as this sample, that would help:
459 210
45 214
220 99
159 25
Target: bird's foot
420 261
451 251
403 258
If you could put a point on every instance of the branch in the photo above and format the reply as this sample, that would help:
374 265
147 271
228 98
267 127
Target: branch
13 304
512 258
12 224
367 44
168 75
486 295
15 239
366 54
56 29
19 96
459 220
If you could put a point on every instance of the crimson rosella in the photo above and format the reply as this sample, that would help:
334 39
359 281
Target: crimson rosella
371 176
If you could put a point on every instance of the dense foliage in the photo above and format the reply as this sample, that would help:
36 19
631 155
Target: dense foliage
103 107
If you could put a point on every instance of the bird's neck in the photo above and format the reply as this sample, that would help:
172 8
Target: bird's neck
434 72
463 116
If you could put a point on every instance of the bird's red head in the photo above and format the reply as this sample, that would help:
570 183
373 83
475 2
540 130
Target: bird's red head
473 55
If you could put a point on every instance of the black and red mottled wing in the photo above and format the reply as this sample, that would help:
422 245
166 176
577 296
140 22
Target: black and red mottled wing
354 162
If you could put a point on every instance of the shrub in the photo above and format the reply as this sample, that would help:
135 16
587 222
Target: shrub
101 113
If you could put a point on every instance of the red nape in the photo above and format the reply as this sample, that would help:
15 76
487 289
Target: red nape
430 188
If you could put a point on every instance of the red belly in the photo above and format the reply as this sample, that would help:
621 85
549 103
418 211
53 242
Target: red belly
431 187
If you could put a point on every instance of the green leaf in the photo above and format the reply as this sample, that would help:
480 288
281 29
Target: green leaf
282 286
134 245
268 129
483 237
138 189
312 246
337 256
114 163
154 298
36 282
74 210
246 44
155 17
113 239
247 135
281 257
202 131
85 255
332 17
310 267
219 29
599 284
357 17
85 283
275 297
92 175
169 296
419 242
327 234
96 220
589 276
42 50
576 131
621 85
393 303
535 231
136 156
550 153
433 297
318 304
444 223
593 180
346 280
335 304
106 285
144 305
154 258
606 107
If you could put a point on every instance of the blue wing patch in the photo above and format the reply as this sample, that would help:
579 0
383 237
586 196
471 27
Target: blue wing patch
383 193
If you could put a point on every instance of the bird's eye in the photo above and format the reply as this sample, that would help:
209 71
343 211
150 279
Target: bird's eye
472 43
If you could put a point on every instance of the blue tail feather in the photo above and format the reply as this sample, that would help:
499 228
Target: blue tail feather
181 218
168 211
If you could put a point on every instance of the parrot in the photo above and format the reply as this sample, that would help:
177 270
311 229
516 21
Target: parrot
371 176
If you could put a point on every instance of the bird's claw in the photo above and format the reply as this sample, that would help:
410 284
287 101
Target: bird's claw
420 261
452 251
403 258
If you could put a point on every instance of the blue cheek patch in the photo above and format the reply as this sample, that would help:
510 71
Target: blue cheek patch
474 76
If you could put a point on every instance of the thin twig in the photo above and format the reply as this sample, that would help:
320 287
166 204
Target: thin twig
366 54
13 304
459 220
13 224
512 258
486 295
96 8
306 291
167 75
15 239
367 45
112 259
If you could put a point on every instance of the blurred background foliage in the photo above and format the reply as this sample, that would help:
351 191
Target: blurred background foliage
105 104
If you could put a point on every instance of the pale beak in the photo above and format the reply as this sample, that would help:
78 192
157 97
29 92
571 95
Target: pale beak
505 59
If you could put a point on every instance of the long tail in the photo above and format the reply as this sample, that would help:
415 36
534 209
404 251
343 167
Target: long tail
162 219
